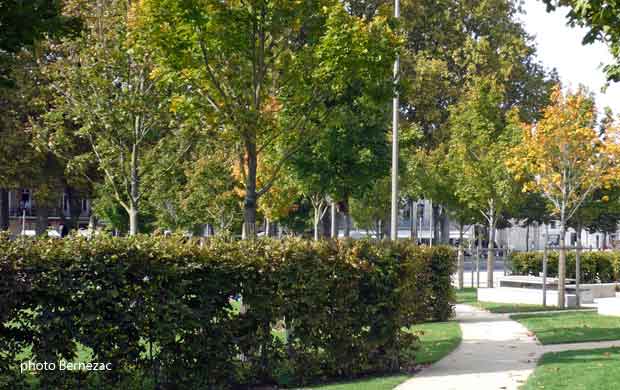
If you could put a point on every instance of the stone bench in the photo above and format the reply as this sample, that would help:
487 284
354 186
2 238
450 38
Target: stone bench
586 293
534 282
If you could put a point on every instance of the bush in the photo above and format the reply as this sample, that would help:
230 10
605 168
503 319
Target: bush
161 309
603 267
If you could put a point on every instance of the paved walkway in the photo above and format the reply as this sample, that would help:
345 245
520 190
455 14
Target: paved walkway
495 353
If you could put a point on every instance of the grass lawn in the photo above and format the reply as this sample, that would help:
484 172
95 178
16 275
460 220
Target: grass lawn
594 369
470 296
571 327
376 383
437 340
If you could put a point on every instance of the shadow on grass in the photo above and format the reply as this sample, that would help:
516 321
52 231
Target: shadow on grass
571 327
594 369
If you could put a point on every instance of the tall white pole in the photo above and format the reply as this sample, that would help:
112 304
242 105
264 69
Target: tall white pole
395 111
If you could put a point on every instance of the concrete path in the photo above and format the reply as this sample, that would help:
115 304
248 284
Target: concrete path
495 353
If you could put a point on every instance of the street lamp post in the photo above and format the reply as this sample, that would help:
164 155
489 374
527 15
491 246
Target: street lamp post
395 110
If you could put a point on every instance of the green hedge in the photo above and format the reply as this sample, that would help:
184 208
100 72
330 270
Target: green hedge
160 310
596 267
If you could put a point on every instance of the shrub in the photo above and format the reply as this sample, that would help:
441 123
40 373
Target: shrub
161 309
596 267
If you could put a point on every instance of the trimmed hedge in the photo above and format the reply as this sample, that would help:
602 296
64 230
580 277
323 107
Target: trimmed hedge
160 310
603 267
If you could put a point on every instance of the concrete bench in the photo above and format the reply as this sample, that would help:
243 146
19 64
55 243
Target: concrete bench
586 293
534 282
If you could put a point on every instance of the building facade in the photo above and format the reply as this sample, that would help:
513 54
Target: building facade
24 213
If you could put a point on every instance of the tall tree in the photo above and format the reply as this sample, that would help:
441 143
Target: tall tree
482 134
530 208
565 160
105 83
24 23
280 57
448 45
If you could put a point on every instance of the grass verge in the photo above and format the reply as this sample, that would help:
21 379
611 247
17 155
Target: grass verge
470 296
595 369
437 339
571 327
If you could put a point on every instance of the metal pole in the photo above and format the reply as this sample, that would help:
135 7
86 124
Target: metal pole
478 262
334 225
395 109
544 281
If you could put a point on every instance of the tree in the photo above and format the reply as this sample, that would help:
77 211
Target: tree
448 45
563 158
26 22
292 58
602 18
482 134
530 208
105 84
371 210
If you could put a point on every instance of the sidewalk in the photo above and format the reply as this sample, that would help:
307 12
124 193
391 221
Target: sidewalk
495 353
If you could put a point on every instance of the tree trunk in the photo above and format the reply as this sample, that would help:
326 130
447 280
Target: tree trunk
562 266
135 193
317 220
527 237
4 209
347 217
387 224
92 221
249 216
461 258
445 227
75 208
267 228
42 220
578 267
133 220
491 253
334 221
249 204
436 237
325 224
413 217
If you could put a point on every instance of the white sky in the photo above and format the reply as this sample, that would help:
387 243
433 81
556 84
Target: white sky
559 46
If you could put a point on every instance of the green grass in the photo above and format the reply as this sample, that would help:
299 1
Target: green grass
467 295
571 327
376 383
595 369
470 296
437 339
494 307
